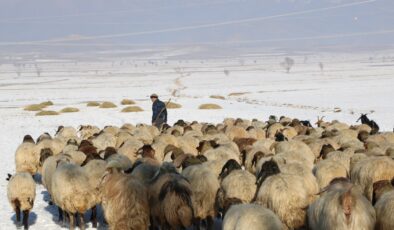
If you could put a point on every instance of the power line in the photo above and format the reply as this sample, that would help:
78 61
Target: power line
186 28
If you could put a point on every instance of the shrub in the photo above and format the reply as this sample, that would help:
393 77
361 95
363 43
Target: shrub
47 113
127 102
217 97
107 104
69 110
173 105
209 106
46 103
130 109
34 107
93 104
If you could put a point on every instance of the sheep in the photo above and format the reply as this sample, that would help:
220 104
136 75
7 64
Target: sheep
55 144
66 133
21 193
95 169
71 191
370 170
121 138
188 144
251 217
204 186
384 209
130 148
327 170
48 169
285 194
236 132
341 206
145 133
342 157
218 157
27 156
380 188
236 185
371 123
72 145
170 199
273 129
186 160
144 169
124 200
104 140
87 131
77 157
112 155
111 129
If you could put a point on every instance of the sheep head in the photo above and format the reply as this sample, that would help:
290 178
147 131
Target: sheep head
269 168
230 166
28 139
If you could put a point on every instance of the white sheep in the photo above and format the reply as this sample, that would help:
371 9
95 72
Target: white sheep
341 206
72 192
27 156
237 185
104 140
384 212
21 193
370 170
251 217
326 170
287 196
204 185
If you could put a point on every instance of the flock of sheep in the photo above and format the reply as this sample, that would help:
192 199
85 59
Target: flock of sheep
279 174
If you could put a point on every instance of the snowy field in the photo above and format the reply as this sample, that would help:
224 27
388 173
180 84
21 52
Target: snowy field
254 86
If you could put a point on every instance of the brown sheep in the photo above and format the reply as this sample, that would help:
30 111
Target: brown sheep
124 200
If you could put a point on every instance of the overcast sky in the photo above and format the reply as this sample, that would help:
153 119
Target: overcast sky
260 22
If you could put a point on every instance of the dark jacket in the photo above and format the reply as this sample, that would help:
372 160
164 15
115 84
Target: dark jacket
157 107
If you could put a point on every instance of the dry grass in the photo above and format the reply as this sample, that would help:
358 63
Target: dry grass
130 109
46 103
337 110
127 102
173 105
93 104
107 105
209 106
34 107
237 94
69 110
47 113
217 97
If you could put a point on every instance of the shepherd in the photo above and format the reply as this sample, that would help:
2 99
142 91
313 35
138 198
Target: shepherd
159 116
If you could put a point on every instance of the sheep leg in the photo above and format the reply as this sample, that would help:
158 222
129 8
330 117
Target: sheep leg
72 221
210 223
81 221
60 214
93 218
26 219
18 213
197 223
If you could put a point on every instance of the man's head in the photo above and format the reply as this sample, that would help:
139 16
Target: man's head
154 97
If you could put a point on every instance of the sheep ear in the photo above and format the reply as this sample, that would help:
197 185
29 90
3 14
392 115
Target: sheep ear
8 177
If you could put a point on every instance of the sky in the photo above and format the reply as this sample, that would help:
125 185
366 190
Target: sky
263 23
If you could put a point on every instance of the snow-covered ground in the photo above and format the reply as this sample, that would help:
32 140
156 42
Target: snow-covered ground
255 86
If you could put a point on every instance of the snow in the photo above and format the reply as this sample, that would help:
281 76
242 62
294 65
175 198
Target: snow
354 83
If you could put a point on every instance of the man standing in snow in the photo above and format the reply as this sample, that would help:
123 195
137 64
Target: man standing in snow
159 116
